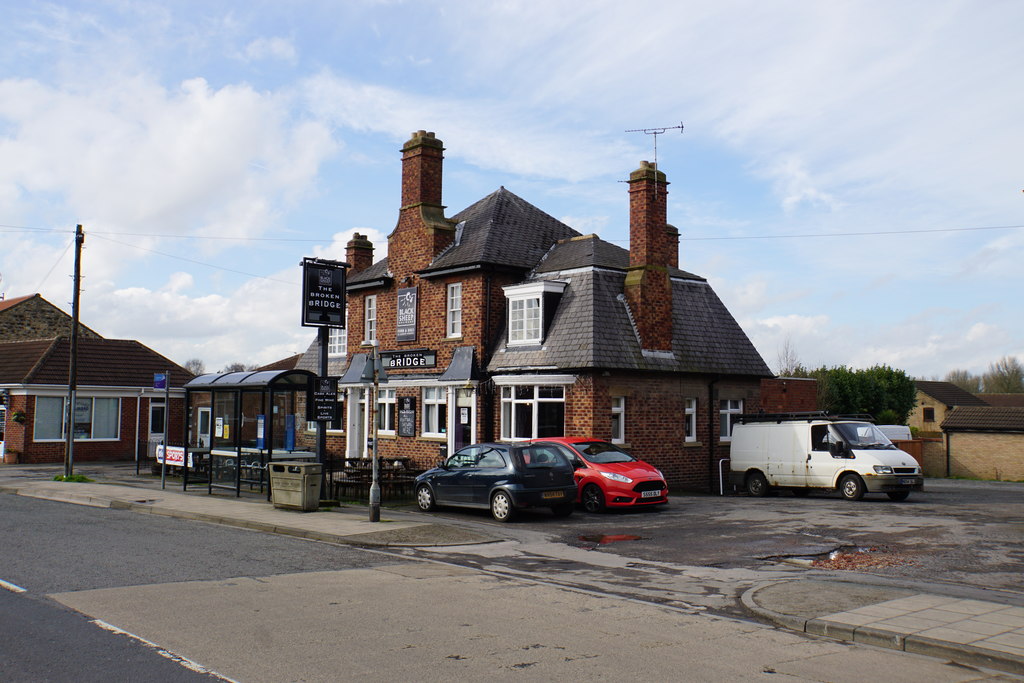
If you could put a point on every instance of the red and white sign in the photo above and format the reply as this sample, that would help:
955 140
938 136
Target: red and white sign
175 455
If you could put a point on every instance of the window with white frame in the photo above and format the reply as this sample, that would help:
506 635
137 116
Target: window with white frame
435 411
618 419
690 419
94 418
526 313
729 411
370 318
157 415
337 341
386 407
532 411
454 310
49 419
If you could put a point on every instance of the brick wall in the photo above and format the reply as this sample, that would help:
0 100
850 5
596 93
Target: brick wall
980 455
788 395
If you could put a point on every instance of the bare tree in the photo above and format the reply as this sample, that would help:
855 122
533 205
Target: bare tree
238 367
965 380
787 361
195 365
1005 376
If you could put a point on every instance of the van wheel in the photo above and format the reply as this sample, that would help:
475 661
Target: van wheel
898 495
852 487
757 485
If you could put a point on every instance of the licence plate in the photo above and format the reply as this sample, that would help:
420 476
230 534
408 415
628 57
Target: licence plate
553 494
651 494
908 482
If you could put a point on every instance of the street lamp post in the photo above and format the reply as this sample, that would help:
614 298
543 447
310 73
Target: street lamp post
375 481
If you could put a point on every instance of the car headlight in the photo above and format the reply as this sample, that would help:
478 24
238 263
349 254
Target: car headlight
883 469
617 477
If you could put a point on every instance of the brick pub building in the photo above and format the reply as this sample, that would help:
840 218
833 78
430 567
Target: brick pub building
503 323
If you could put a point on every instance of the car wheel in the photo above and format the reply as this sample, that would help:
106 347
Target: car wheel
425 498
852 487
898 495
592 498
757 485
501 507
563 510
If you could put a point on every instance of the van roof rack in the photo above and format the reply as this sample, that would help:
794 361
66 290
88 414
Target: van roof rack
808 416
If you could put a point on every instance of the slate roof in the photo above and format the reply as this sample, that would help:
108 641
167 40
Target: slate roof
948 393
500 230
592 251
592 329
985 419
101 362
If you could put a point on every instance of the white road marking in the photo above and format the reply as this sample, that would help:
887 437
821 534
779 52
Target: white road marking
11 587
183 661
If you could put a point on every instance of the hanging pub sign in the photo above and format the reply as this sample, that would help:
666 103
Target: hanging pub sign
402 360
324 406
406 416
323 293
405 319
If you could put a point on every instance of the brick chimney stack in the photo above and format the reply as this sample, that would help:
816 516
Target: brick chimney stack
359 253
422 230
653 247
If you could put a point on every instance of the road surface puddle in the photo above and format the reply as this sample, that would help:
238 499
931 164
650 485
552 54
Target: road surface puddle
604 539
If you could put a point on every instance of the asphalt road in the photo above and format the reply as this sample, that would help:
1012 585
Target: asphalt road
701 551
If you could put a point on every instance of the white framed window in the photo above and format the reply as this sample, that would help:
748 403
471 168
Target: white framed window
532 411
524 321
690 419
337 342
94 418
453 315
157 417
435 411
618 419
729 411
370 318
386 409
526 309
49 419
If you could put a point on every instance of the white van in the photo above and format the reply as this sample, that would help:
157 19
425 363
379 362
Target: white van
818 451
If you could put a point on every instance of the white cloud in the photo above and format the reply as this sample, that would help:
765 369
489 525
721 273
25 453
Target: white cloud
271 48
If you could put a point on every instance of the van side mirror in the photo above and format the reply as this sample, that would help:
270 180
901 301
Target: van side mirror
837 449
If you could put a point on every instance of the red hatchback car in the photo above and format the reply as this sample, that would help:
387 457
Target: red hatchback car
608 476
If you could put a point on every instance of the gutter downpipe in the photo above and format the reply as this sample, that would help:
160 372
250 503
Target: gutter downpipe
712 434
138 417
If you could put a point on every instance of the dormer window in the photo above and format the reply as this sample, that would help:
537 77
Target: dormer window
530 310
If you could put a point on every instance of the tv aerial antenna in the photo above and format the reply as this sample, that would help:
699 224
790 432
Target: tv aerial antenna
655 132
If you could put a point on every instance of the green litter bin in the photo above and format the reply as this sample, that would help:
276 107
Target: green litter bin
295 485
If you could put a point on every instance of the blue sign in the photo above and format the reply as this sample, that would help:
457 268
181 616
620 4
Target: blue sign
159 380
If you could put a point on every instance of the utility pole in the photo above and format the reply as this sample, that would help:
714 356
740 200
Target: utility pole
69 451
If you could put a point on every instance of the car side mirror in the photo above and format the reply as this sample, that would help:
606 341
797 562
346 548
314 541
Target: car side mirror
443 464
837 449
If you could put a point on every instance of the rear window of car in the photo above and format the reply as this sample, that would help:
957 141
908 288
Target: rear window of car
543 456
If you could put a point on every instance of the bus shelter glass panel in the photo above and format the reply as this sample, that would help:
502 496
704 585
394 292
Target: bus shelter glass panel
251 440
286 420
224 456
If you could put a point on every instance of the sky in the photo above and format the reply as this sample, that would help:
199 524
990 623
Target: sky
848 176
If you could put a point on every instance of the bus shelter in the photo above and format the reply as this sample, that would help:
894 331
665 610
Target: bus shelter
239 422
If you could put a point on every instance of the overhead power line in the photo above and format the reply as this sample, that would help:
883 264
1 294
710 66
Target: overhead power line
851 234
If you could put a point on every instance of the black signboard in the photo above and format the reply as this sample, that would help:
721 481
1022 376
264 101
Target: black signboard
407 360
406 416
324 404
405 318
323 293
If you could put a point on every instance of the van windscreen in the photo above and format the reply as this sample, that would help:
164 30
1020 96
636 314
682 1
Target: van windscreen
863 435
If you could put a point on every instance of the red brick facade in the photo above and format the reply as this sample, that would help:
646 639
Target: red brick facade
653 404
789 395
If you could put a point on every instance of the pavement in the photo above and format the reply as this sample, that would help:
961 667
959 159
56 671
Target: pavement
945 622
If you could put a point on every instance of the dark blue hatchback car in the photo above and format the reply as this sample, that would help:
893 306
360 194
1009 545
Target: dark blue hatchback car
500 477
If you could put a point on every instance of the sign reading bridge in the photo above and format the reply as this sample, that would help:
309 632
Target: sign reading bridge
408 360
